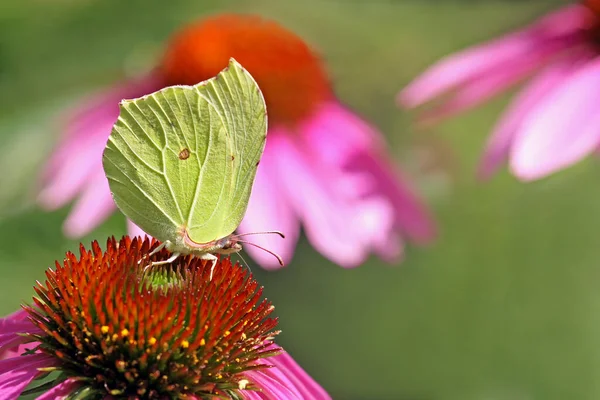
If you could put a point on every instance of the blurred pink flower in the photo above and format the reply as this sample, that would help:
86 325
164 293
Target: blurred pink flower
323 166
553 122
110 332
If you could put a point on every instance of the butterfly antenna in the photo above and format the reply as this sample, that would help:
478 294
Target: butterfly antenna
262 248
259 233
244 260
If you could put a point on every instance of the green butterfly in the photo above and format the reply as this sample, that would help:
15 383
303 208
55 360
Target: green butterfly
181 162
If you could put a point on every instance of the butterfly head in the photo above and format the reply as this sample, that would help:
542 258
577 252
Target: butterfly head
227 245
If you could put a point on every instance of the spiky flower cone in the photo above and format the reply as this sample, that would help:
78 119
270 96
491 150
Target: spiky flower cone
183 330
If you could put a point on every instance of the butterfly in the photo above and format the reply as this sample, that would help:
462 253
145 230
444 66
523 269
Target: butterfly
181 162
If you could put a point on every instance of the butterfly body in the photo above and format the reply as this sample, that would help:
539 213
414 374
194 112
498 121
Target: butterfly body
183 244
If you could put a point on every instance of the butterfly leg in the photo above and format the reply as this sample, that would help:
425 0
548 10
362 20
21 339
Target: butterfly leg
167 261
213 258
153 252
157 249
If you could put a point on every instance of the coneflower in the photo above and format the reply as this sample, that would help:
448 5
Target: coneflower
105 325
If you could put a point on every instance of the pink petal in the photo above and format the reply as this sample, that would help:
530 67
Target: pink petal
336 133
95 204
80 152
11 329
562 129
501 55
270 210
79 158
463 66
566 21
18 315
332 138
379 183
133 230
105 103
374 219
18 350
16 373
12 345
412 218
273 385
252 395
60 391
485 87
377 227
310 188
498 145
304 383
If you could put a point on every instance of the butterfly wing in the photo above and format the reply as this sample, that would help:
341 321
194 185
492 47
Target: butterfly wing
183 159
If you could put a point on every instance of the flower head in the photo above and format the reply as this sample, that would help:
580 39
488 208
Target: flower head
552 123
111 326
323 166
290 75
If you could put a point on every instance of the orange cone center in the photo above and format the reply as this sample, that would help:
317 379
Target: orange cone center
289 74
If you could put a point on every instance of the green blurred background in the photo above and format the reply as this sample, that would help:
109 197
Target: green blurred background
505 305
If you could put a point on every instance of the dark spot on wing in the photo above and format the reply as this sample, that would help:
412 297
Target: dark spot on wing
232 157
184 154
258 162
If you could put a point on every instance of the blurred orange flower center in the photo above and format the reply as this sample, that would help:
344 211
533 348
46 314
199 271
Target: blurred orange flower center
289 74
593 25
593 5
